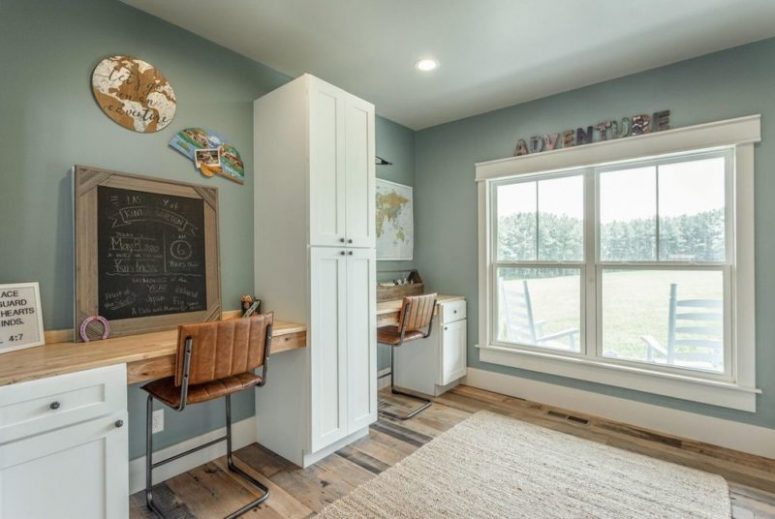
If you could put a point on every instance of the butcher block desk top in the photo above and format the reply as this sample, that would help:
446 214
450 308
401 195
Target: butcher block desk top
148 356
387 311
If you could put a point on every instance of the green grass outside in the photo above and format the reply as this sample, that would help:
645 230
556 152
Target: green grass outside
635 303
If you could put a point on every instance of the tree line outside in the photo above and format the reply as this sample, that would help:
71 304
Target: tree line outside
697 237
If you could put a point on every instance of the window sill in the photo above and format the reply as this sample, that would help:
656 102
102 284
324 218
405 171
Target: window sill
722 394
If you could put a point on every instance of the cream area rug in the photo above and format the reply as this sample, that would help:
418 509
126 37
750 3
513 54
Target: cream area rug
495 466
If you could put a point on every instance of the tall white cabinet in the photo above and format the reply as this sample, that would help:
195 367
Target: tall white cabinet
315 262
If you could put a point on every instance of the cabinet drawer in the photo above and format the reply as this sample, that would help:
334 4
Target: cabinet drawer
42 405
77 471
453 311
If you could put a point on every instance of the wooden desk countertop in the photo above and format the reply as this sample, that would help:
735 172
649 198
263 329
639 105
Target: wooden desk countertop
148 356
387 311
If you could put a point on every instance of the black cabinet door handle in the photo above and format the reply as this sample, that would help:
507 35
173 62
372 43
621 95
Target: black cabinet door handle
55 405
119 424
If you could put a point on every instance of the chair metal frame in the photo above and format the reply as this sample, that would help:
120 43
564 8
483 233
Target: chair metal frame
150 465
426 402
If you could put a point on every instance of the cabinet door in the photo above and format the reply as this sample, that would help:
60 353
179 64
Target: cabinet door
453 352
359 173
328 352
417 364
361 325
78 471
327 165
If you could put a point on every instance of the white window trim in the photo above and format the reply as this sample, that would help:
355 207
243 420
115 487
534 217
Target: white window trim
739 134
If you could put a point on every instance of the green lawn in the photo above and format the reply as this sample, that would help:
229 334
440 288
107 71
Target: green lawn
635 304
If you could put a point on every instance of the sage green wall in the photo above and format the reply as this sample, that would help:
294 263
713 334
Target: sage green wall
727 84
395 143
49 122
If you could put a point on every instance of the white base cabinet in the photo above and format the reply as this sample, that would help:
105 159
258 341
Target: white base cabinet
64 447
434 365
321 398
342 332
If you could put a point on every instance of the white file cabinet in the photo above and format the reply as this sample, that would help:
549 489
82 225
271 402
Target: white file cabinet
64 447
432 366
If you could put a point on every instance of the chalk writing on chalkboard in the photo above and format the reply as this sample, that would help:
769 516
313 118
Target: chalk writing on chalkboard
151 254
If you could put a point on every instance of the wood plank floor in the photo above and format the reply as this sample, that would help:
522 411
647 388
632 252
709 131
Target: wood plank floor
210 491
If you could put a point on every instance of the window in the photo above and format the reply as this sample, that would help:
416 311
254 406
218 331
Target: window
540 257
632 272
658 263
662 261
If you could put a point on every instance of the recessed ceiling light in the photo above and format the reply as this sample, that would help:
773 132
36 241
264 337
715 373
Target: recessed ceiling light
426 65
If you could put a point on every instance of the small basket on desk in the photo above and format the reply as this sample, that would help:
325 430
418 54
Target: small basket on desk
411 285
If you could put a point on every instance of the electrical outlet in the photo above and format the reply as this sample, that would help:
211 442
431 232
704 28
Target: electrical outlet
157 421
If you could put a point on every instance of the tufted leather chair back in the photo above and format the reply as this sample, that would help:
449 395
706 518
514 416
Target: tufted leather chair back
221 349
418 311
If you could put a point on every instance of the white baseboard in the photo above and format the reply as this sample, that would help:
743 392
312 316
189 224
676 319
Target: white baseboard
739 436
383 378
243 434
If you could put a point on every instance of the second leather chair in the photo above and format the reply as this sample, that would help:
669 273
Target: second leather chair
415 321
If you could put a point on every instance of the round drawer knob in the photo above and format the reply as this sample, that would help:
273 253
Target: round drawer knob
119 424
349 241
55 405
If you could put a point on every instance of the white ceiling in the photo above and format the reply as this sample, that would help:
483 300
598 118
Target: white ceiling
493 53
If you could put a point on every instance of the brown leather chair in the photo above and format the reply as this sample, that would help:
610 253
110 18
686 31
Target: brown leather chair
415 321
214 360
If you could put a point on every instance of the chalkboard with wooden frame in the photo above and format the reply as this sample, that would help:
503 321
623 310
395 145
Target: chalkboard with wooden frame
146 251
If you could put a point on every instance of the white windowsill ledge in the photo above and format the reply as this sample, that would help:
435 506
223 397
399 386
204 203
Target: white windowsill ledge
722 394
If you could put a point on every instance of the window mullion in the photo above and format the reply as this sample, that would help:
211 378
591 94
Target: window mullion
656 212
538 184
589 272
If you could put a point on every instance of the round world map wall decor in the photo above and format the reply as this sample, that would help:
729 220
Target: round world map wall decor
133 93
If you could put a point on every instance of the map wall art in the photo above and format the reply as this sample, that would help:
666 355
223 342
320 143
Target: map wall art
395 221
134 94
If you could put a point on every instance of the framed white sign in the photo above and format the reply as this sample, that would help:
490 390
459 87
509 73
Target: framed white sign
21 321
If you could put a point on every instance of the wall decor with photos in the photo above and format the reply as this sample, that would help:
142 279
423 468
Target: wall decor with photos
146 251
21 321
210 153
134 94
